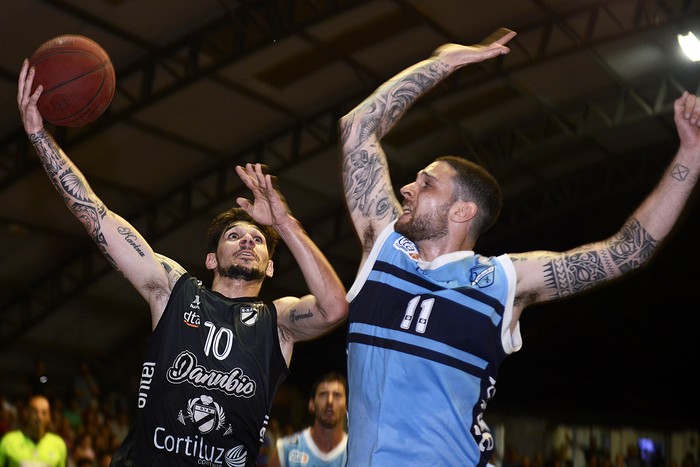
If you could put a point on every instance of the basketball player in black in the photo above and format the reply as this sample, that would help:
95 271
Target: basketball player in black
216 356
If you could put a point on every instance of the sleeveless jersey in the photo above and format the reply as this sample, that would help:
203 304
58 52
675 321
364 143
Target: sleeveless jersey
213 366
424 345
17 449
300 450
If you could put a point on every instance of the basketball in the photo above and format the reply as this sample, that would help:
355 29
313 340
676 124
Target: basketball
78 80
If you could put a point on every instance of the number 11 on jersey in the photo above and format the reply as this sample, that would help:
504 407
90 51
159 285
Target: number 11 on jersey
426 306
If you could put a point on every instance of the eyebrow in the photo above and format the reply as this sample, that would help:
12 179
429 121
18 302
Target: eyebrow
426 175
240 226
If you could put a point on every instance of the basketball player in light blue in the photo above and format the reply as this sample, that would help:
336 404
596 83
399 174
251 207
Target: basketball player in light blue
430 320
324 443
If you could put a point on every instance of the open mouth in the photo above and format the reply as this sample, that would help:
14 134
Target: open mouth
246 254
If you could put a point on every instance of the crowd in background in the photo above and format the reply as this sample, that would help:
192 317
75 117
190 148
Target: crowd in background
564 456
93 421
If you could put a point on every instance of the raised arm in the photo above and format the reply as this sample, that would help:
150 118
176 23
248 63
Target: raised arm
121 244
368 191
314 314
544 276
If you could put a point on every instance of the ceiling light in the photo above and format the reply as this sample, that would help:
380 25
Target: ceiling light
690 46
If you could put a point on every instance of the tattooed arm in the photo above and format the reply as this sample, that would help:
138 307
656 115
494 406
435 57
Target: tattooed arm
544 276
121 244
368 192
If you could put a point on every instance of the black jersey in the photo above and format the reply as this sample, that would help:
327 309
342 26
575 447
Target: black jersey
212 369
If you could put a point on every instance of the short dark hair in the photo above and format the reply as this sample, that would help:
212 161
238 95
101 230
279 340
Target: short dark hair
327 378
222 222
475 183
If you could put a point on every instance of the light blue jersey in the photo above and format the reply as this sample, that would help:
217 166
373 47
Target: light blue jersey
424 345
299 450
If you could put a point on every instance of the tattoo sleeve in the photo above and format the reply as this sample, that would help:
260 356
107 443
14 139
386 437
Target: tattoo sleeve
585 268
73 188
365 170
48 153
363 175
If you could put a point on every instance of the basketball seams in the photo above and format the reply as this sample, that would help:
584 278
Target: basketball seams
78 80
100 67
83 112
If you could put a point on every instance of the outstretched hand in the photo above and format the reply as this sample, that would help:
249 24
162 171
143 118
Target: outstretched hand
687 117
26 101
268 206
491 47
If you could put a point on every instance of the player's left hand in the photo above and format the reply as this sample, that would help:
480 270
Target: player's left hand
687 117
26 101
268 206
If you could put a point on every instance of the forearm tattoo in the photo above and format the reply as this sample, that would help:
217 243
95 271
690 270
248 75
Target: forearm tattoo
47 151
576 272
680 172
393 99
73 188
632 246
365 169
407 90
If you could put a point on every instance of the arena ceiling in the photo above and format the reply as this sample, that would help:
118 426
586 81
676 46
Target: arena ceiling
576 122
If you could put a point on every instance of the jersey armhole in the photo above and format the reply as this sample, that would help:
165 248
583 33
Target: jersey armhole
511 341
363 273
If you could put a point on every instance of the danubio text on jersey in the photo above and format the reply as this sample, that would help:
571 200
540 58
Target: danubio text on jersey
186 369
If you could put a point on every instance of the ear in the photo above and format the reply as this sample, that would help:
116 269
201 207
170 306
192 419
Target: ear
463 211
312 409
270 269
210 261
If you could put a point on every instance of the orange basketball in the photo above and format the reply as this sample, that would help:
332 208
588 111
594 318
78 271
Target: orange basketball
78 80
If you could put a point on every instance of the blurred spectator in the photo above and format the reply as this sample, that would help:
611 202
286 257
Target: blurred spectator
8 415
120 424
495 460
65 431
93 418
104 440
559 457
324 443
33 444
105 459
510 457
689 460
83 451
85 387
633 457
73 414
594 453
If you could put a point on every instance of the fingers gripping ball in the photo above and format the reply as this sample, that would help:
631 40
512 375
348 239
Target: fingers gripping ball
78 80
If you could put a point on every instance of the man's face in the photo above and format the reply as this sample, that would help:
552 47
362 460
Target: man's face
242 253
329 404
39 415
426 203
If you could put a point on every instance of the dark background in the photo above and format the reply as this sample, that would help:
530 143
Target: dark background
576 123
